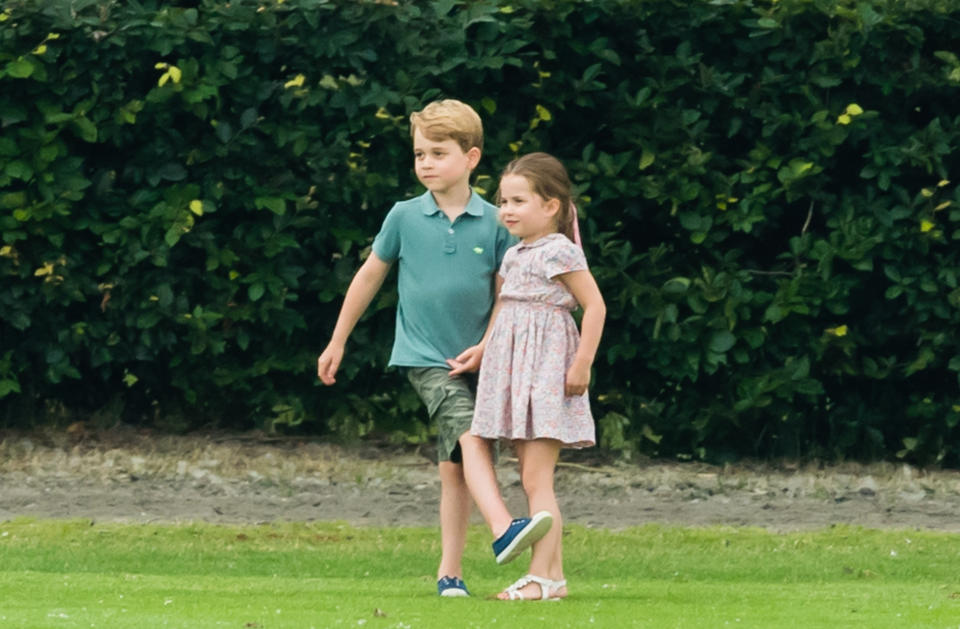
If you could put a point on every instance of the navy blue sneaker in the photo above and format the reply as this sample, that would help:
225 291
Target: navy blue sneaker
520 535
452 586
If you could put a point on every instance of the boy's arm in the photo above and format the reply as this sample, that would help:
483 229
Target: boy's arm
363 288
469 359
587 294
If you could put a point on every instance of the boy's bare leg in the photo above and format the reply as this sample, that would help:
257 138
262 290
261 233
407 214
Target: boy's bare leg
481 478
454 517
538 460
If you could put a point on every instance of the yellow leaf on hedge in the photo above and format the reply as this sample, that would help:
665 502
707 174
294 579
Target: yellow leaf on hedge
296 81
160 66
840 330
844 119
543 113
196 206
39 50
163 79
175 73
943 182
854 109
926 225
943 206
927 192
46 269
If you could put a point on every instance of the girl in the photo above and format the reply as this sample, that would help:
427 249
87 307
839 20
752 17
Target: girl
536 366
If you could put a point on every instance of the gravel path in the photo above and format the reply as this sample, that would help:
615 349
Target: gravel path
131 476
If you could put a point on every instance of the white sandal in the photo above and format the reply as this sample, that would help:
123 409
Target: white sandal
548 588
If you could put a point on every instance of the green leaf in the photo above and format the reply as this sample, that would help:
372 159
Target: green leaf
223 131
172 171
722 341
256 291
274 204
646 159
8 386
20 68
676 286
85 129
172 237
19 170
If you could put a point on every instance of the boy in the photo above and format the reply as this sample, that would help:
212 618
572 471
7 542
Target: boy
449 245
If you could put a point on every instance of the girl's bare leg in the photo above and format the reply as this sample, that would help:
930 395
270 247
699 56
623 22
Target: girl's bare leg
538 460
481 478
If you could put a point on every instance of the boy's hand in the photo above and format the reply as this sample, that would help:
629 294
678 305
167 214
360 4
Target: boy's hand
578 378
328 363
468 361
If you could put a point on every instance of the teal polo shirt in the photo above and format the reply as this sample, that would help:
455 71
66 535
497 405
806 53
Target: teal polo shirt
445 276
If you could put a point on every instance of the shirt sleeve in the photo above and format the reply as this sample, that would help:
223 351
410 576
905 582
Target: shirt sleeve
565 257
387 243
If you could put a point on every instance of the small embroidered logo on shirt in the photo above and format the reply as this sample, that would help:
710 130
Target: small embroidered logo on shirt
478 250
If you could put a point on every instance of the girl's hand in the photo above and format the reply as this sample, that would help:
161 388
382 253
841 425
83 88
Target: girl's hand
578 379
468 361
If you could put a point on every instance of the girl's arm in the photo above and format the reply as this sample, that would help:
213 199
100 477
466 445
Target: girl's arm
361 292
469 359
584 288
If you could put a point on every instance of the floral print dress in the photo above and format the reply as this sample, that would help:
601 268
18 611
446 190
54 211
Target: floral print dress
520 394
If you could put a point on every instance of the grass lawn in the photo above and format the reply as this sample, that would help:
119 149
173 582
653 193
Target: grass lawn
80 574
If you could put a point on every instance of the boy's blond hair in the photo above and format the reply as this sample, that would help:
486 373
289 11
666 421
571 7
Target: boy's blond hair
449 120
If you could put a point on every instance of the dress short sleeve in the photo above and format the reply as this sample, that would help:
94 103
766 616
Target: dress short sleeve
562 257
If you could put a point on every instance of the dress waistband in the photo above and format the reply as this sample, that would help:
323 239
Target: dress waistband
532 304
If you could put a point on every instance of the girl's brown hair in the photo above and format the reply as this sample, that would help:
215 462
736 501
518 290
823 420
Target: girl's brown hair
549 180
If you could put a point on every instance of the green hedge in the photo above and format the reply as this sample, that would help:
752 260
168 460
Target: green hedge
769 191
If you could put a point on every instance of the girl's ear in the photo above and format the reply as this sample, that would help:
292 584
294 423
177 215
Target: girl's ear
552 206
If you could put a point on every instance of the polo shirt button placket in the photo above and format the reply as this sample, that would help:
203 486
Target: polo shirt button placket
449 244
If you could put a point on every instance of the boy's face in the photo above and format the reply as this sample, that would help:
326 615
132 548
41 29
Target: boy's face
442 166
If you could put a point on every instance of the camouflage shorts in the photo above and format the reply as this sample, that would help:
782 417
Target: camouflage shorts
449 403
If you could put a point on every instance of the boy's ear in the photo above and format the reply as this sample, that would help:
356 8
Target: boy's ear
473 157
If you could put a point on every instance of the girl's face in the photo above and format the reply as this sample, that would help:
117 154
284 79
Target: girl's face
525 213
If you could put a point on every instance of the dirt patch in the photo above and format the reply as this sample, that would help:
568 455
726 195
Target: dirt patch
132 476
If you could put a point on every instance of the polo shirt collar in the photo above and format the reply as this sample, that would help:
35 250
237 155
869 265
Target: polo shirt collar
474 205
